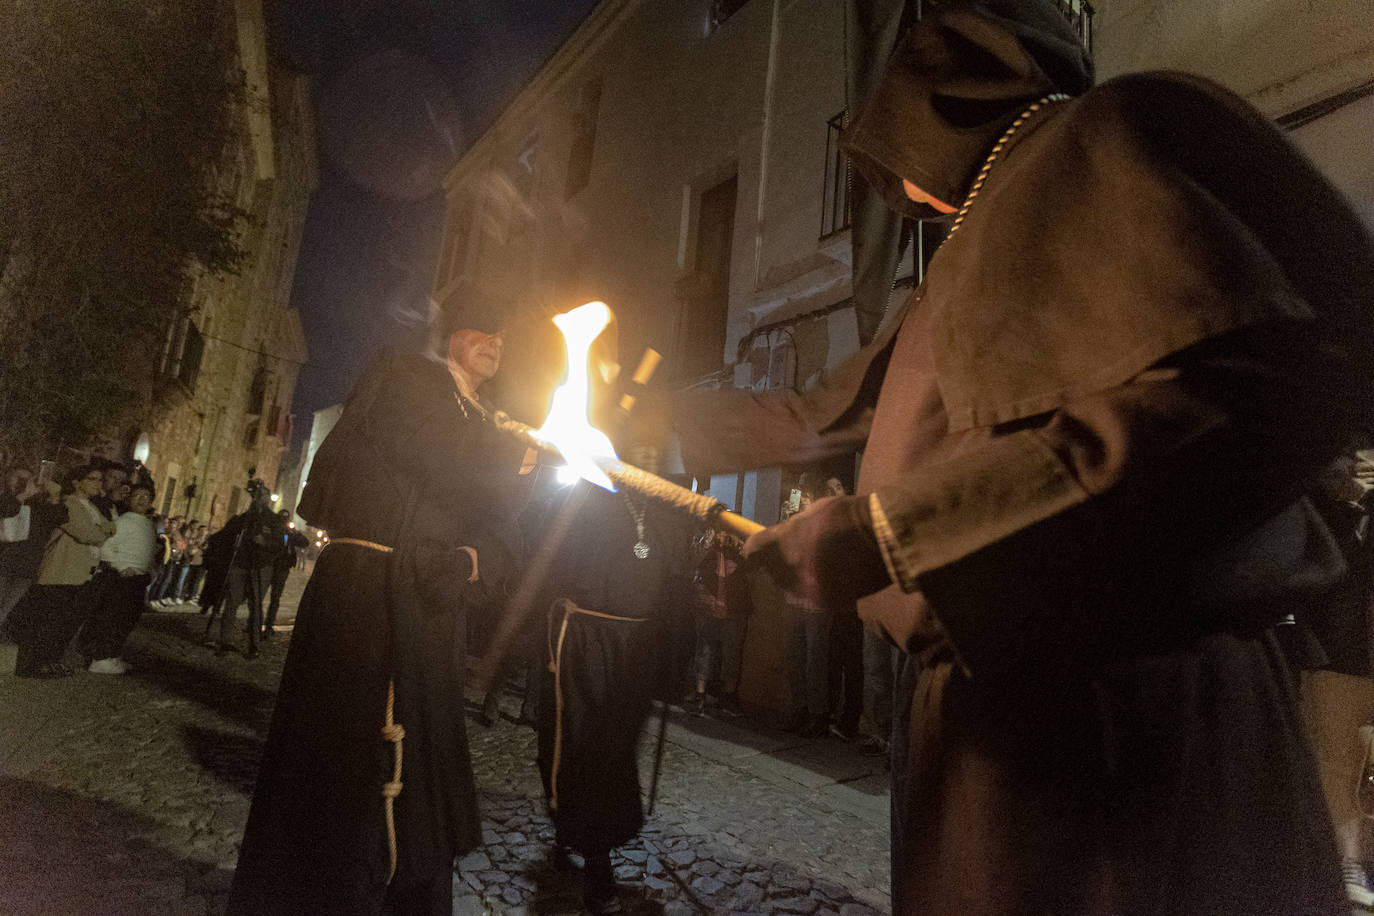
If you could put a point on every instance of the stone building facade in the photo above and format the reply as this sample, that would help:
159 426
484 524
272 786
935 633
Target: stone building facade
227 371
678 161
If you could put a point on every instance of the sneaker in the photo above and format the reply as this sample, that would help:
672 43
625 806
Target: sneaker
728 706
108 666
1357 884
874 746
695 705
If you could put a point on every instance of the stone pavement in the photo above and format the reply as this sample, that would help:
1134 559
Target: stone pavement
128 795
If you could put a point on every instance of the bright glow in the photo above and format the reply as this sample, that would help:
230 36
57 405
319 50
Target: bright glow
566 476
567 427
276 497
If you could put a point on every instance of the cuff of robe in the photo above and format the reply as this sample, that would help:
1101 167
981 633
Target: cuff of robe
972 501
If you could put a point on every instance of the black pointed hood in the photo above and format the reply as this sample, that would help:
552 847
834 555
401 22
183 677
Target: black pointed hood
955 82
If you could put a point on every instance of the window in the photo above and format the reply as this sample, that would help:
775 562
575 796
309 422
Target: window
169 494
722 10
835 192
584 139
182 355
1080 16
702 344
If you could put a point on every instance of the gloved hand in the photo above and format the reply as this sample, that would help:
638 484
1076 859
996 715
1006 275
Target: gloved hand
827 554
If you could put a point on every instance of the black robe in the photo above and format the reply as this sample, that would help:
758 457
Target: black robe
603 660
414 469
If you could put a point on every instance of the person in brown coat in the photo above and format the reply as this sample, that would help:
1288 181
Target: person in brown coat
1087 435
61 599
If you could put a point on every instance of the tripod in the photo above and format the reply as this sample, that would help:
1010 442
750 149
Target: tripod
247 577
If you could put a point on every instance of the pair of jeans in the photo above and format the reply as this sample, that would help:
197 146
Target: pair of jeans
719 650
880 666
806 656
245 583
118 604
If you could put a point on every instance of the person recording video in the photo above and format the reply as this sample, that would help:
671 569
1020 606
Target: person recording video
258 534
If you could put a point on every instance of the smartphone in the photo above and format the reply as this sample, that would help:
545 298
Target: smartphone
46 467
794 500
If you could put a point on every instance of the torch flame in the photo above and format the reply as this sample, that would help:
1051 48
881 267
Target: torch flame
567 426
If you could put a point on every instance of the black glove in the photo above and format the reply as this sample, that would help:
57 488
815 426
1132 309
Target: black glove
827 554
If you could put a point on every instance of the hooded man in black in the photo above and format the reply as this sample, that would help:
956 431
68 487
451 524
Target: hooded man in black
365 794
1086 438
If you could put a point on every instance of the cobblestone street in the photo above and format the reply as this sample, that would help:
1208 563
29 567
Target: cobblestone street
128 795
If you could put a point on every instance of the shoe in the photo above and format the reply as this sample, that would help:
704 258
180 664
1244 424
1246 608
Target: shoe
600 895
47 672
108 666
1357 884
695 705
728 706
874 746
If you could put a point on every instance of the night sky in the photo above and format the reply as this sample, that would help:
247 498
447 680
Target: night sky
401 89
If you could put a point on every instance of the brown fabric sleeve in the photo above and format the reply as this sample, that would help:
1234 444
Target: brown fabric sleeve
1039 544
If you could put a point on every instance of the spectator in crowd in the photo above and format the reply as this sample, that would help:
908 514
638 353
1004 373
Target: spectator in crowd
723 603
1338 685
172 545
18 562
846 662
126 563
192 563
806 648
114 488
59 602
219 550
282 564
258 535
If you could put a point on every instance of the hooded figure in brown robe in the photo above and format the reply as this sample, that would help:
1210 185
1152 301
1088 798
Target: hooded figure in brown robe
1086 439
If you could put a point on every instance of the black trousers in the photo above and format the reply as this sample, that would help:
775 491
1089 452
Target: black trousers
244 584
279 575
45 621
117 604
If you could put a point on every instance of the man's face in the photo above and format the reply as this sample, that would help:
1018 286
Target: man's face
833 487
91 484
114 479
476 354
140 501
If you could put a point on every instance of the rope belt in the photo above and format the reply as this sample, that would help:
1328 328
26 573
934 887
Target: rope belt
391 731
568 609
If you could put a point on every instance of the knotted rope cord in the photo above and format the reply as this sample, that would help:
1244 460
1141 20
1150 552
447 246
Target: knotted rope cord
567 608
393 732
391 729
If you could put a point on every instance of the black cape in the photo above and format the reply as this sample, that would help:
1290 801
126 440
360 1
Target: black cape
416 470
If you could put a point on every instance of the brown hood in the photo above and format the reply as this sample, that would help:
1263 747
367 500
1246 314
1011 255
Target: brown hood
956 81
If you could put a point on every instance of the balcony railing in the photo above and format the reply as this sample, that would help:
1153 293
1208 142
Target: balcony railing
835 194
1080 16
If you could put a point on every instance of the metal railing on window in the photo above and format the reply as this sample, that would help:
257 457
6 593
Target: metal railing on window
1080 16
835 193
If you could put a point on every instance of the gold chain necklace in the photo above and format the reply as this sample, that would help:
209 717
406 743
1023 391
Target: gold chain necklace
996 151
